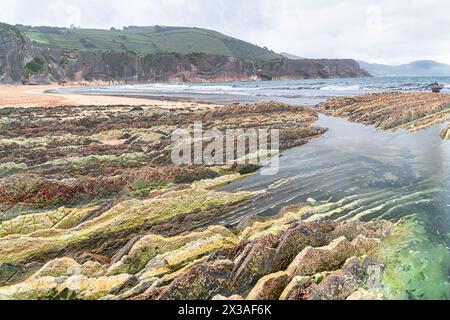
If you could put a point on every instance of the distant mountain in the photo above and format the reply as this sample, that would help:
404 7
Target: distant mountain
421 68
291 56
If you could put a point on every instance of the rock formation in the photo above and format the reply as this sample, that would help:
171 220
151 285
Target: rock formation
409 111
21 61
445 134
279 258
143 228
15 52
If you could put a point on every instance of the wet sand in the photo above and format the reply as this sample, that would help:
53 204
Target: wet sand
37 96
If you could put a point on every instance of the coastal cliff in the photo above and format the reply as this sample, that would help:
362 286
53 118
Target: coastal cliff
15 52
23 60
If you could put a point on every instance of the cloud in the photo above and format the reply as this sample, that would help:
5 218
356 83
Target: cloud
382 31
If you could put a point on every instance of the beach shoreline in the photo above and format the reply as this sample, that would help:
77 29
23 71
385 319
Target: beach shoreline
17 96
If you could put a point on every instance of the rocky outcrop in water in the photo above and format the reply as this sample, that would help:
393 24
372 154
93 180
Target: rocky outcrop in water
92 208
409 111
445 134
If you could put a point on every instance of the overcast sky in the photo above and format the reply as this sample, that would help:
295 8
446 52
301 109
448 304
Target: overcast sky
382 31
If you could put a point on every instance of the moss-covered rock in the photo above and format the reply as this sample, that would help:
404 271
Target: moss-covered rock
60 288
62 218
123 217
68 267
181 248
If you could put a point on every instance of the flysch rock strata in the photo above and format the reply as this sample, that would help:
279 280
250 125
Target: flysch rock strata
409 111
282 257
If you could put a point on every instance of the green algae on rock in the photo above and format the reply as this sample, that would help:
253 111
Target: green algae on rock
152 246
124 217
75 287
416 265
61 218
261 262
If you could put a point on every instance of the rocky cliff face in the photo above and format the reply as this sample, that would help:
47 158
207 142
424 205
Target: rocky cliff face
20 61
15 52
312 69
129 67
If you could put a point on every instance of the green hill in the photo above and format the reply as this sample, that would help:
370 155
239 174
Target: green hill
146 40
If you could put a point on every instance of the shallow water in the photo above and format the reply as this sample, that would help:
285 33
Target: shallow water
393 175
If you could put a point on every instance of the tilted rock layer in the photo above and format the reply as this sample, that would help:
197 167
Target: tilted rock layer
67 155
92 206
279 258
409 111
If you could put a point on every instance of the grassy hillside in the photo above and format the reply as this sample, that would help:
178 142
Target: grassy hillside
146 40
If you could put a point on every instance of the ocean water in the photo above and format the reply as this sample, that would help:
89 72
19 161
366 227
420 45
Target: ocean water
306 92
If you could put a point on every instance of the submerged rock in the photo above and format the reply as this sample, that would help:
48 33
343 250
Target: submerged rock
445 133
416 263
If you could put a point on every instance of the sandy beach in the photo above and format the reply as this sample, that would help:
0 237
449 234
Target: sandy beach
36 96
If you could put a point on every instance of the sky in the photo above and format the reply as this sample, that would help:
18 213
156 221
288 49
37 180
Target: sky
381 31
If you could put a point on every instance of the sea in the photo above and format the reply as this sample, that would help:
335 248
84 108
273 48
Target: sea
305 92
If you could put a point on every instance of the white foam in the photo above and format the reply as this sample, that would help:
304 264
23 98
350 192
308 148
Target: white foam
341 88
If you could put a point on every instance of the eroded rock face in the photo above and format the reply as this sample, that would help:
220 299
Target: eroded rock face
252 270
15 52
114 67
278 258
410 111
